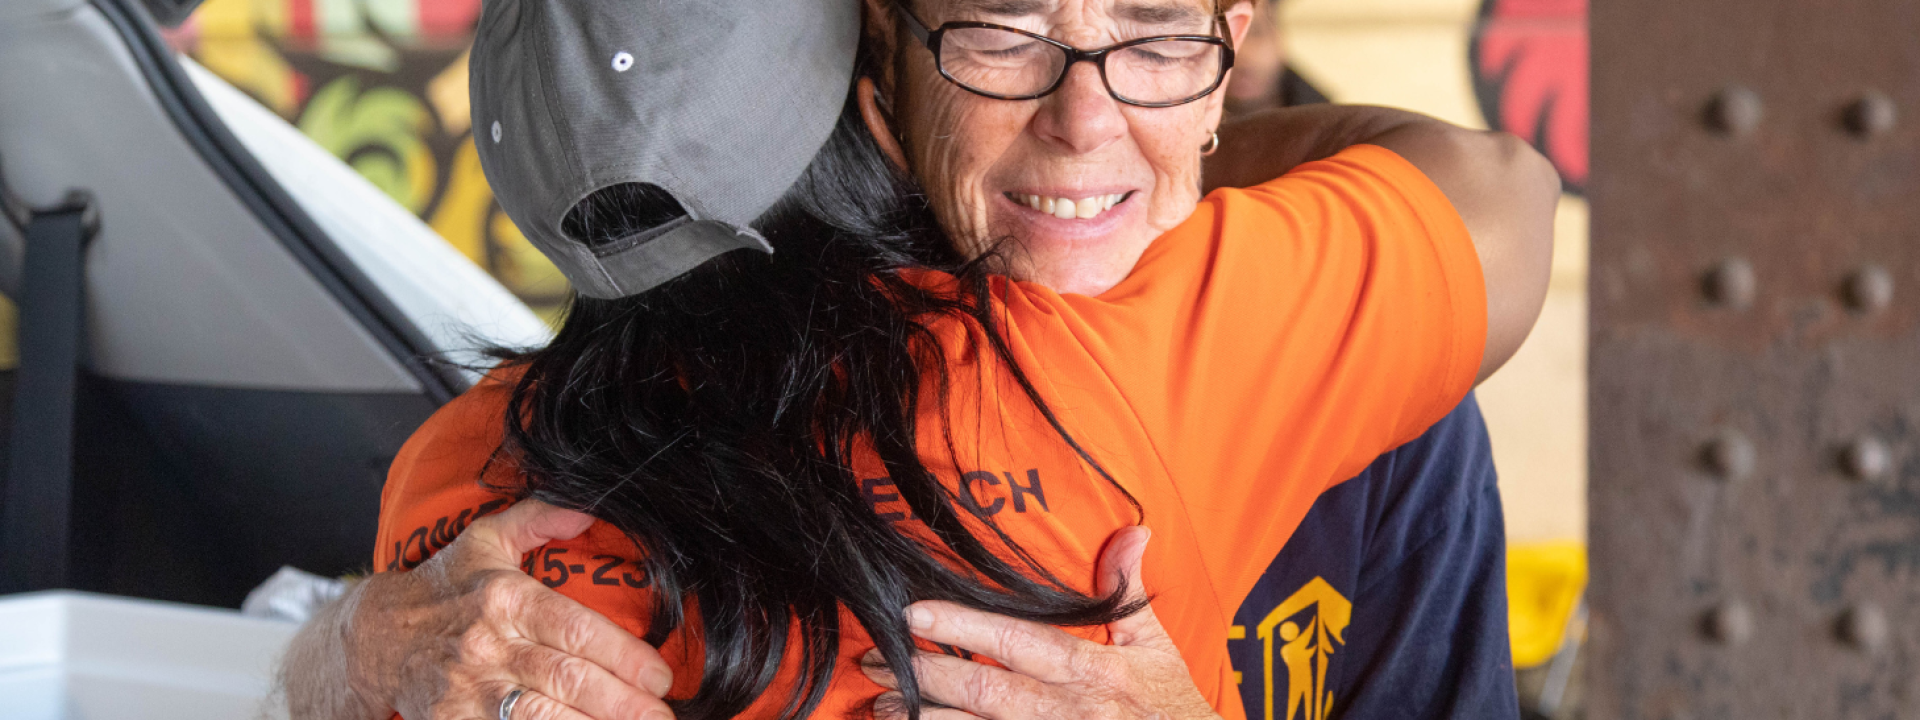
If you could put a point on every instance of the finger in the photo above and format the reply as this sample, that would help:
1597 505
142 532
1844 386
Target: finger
891 706
1042 652
1120 567
960 684
978 688
581 685
874 666
525 527
534 706
559 622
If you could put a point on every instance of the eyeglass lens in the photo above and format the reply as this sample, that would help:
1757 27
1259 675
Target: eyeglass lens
1002 62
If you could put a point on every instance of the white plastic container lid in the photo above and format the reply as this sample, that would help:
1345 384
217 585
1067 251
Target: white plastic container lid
78 656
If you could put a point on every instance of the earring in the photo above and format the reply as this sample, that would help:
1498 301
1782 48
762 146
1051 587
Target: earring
1212 145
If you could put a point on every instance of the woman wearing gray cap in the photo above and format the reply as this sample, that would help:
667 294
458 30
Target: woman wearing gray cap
962 328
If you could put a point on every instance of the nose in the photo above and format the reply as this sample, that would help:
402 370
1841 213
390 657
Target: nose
1080 117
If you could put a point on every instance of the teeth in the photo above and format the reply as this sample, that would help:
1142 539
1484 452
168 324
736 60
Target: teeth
1069 209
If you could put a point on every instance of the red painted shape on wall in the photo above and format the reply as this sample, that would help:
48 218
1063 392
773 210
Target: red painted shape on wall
301 22
447 19
1529 60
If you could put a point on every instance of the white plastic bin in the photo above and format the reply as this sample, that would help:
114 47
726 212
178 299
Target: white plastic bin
78 656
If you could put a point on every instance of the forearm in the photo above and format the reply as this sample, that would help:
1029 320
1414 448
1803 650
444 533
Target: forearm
1261 146
316 675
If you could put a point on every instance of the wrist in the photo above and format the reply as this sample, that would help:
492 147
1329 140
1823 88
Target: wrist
317 675
368 693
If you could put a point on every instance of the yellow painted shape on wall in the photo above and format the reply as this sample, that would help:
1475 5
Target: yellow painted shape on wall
1544 584
346 121
273 18
525 269
252 65
461 217
447 92
224 19
231 47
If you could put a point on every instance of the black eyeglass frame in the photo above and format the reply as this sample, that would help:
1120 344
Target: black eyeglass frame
931 39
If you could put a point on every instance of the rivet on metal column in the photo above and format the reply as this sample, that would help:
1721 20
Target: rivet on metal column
1863 627
1866 459
1730 284
1736 111
1869 289
1872 115
1728 455
1729 623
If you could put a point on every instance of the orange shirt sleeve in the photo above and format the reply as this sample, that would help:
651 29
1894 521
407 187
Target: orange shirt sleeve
1288 334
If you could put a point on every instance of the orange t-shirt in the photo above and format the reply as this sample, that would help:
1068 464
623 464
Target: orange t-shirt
1269 347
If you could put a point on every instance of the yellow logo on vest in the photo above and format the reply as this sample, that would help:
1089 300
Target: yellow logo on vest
1305 649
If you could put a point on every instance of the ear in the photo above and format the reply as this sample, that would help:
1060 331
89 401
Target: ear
880 124
879 30
1239 19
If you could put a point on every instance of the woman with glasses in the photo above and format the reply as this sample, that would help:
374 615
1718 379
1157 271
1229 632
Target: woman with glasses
1000 324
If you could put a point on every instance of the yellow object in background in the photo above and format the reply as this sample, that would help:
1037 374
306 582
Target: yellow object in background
9 335
1544 584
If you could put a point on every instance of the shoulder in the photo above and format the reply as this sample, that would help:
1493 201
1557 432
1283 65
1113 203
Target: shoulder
470 425
446 475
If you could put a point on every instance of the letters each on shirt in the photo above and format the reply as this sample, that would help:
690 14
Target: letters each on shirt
986 493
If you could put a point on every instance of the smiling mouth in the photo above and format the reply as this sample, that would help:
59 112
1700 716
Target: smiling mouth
1070 209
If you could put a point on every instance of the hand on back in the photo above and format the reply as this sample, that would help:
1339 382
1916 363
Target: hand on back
451 638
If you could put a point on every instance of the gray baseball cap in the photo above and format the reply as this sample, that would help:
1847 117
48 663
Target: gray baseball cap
720 103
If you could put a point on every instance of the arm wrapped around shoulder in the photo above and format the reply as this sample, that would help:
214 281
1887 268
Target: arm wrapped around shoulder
1504 191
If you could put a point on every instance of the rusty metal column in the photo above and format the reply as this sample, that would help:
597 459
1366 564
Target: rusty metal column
1755 394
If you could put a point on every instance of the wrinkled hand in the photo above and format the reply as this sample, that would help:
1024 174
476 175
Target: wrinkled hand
452 637
1050 675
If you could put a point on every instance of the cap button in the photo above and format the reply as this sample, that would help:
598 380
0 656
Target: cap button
496 131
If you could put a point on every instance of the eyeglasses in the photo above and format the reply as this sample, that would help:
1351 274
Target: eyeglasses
1011 64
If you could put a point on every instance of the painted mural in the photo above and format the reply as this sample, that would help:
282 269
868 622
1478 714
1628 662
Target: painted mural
382 84
1529 64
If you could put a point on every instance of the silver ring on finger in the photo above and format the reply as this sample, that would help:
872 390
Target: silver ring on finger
507 703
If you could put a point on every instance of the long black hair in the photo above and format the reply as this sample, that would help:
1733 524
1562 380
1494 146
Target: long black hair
715 420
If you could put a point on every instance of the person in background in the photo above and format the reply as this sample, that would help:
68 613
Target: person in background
1262 77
